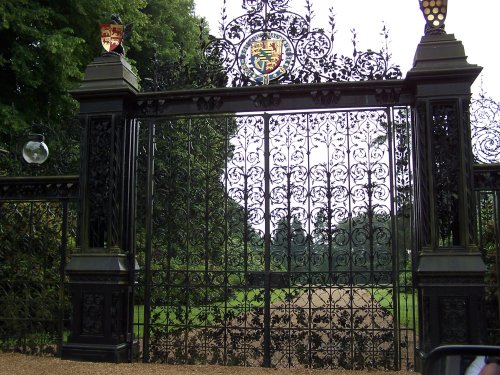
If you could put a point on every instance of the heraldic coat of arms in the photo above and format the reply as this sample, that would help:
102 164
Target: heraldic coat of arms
266 56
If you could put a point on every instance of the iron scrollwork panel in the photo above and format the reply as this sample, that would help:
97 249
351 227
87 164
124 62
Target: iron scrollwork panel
204 246
35 238
104 162
488 228
307 195
453 314
485 126
403 243
93 314
331 220
445 142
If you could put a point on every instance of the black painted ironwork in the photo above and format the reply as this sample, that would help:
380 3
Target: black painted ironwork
275 221
487 176
38 219
487 185
273 97
485 126
303 54
102 316
277 239
39 188
446 143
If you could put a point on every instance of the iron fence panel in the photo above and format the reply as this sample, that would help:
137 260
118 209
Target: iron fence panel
488 206
35 238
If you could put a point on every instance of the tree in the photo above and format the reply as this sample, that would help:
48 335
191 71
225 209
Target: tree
45 47
321 241
291 246
170 56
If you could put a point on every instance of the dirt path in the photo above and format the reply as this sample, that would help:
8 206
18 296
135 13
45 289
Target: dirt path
321 319
19 364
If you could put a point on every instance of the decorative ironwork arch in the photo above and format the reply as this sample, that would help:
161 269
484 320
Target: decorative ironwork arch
300 54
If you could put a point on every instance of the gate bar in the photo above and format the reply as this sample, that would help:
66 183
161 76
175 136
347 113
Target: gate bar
267 245
149 235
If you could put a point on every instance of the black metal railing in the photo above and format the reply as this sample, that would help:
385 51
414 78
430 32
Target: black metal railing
487 185
38 219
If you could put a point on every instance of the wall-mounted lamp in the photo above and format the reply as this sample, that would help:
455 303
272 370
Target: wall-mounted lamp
35 151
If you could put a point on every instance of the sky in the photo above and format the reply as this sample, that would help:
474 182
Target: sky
475 23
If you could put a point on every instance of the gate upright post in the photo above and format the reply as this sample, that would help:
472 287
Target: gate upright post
450 270
101 270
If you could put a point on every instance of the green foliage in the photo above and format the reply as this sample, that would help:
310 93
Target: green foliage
407 305
290 246
170 30
365 242
172 317
489 241
45 47
197 227
31 287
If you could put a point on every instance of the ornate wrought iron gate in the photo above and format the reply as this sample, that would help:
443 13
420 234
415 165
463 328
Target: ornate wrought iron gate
276 221
272 224
277 239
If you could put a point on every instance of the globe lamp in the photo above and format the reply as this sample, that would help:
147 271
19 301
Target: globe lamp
35 151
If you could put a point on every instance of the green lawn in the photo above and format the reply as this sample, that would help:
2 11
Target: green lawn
174 317
198 316
407 306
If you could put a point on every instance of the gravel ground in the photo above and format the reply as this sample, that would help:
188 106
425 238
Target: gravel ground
11 363
31 365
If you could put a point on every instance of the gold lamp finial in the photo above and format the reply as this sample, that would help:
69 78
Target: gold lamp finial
435 14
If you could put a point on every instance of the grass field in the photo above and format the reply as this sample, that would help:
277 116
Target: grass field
199 316
174 317
407 306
